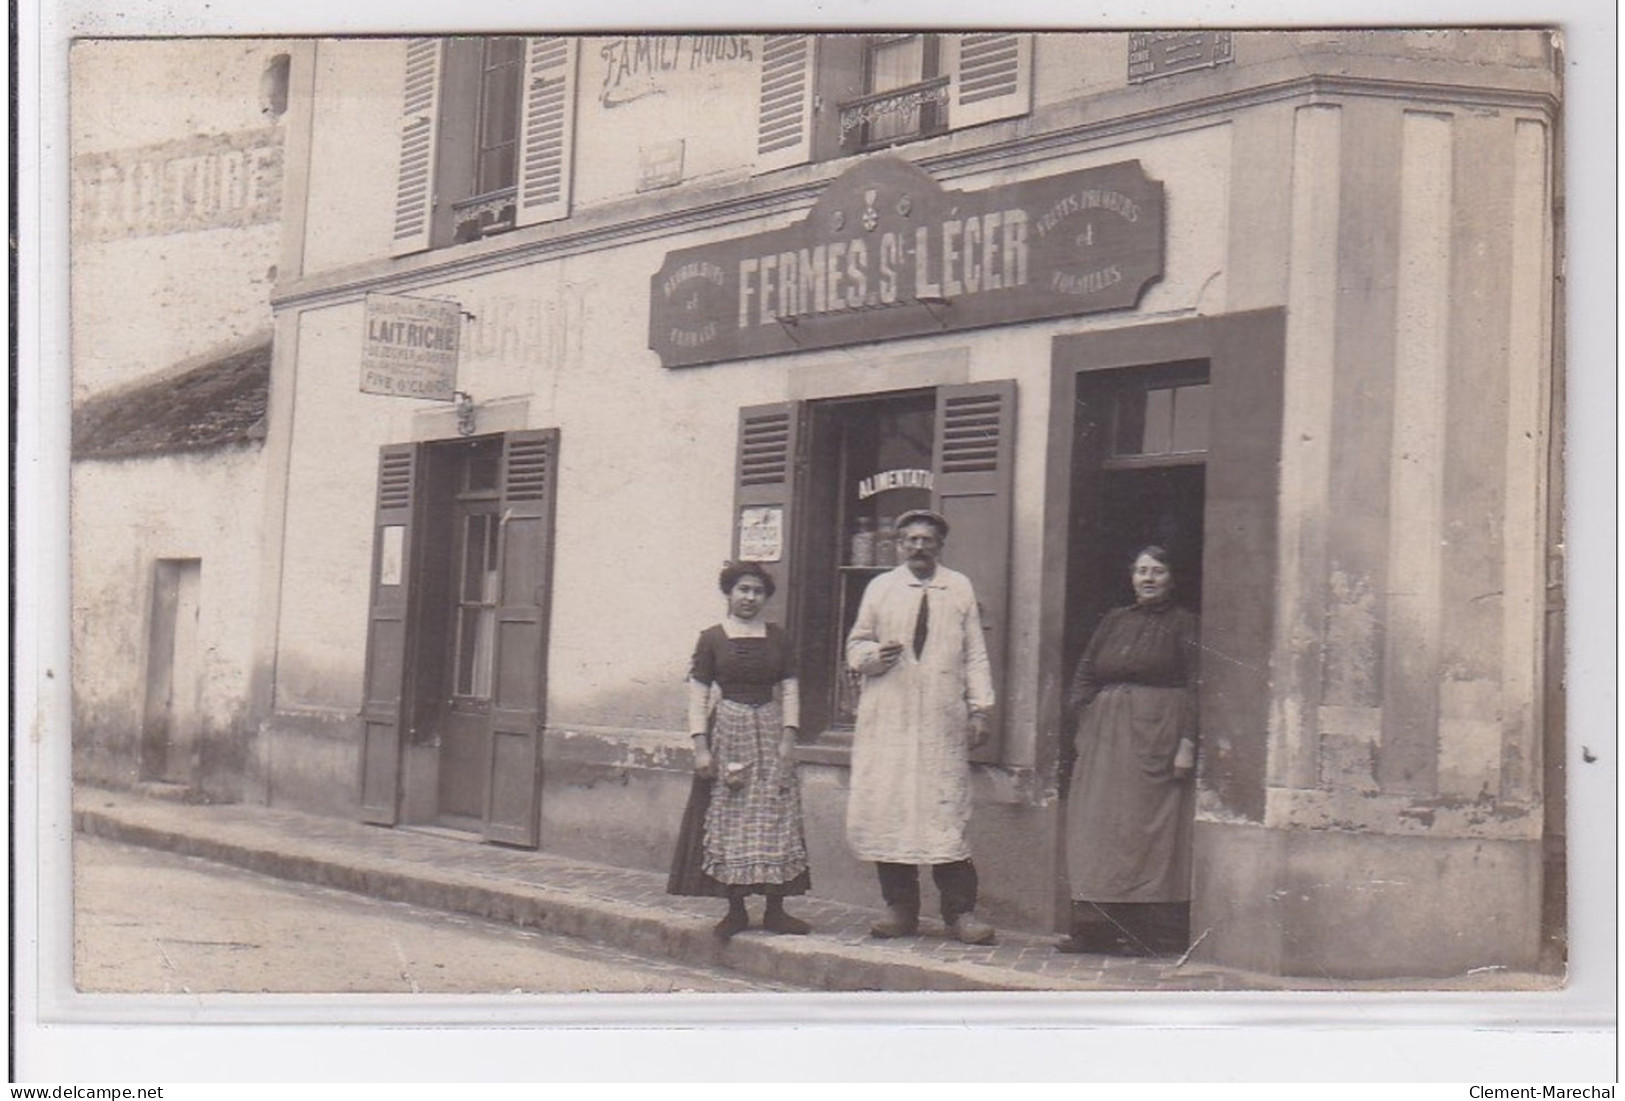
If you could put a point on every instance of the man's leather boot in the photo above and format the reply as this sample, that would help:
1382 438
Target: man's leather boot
900 921
967 930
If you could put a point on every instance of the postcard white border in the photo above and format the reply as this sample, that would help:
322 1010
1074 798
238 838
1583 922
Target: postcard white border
1255 1037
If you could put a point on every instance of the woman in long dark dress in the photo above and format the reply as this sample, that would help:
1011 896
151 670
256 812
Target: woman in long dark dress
744 761
1129 808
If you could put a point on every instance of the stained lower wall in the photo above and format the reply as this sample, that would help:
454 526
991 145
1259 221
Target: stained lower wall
1343 904
126 516
617 798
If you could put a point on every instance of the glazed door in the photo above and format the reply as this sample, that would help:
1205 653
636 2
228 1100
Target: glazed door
465 726
522 593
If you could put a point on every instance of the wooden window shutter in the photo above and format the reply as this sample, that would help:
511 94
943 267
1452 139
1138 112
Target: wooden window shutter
384 681
529 482
547 130
992 77
420 124
784 127
973 458
764 516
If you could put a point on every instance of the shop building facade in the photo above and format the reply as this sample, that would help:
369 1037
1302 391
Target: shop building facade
564 323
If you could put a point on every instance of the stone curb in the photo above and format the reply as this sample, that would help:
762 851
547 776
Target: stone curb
811 963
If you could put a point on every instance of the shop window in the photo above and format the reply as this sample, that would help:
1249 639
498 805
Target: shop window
883 451
820 487
828 96
487 138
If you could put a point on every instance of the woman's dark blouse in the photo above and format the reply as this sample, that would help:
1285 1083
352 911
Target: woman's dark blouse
746 669
1154 644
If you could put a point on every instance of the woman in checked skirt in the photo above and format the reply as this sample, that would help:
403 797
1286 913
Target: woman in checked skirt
742 832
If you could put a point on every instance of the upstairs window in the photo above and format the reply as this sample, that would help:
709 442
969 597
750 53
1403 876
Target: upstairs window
487 138
907 93
833 95
501 66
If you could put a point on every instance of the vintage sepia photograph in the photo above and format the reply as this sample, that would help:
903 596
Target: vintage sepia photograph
929 512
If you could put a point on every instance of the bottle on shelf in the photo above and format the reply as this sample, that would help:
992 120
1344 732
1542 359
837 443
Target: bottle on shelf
863 544
886 544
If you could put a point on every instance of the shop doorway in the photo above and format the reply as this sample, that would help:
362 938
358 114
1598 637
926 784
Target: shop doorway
1139 477
457 646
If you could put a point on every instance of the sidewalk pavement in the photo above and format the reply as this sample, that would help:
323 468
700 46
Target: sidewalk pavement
629 908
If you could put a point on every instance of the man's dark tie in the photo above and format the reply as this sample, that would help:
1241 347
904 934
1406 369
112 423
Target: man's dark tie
921 622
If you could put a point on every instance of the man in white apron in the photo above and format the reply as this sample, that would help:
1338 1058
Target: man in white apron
927 692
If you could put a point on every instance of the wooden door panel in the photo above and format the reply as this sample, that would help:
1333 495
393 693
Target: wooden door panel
387 631
519 683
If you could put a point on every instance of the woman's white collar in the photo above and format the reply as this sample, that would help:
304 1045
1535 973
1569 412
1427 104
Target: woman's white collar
743 628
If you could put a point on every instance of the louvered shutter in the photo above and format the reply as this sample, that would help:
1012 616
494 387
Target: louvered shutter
784 130
769 436
384 678
420 111
992 77
519 683
547 130
973 459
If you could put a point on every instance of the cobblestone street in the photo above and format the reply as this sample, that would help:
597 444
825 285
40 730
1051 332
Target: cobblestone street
154 922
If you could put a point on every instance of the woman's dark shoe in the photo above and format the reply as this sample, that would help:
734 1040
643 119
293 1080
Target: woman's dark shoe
778 921
734 921
775 920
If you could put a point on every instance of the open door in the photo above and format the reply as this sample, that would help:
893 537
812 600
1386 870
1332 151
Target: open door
387 634
529 477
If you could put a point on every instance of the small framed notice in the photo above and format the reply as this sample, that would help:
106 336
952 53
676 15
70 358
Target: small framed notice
390 559
761 534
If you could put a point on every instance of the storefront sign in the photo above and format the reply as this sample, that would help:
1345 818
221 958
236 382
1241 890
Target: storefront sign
894 479
887 253
761 534
1163 53
410 349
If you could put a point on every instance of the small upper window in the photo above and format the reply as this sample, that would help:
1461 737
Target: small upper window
1162 421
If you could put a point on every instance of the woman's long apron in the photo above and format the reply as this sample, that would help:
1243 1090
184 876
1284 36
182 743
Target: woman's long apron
1128 820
